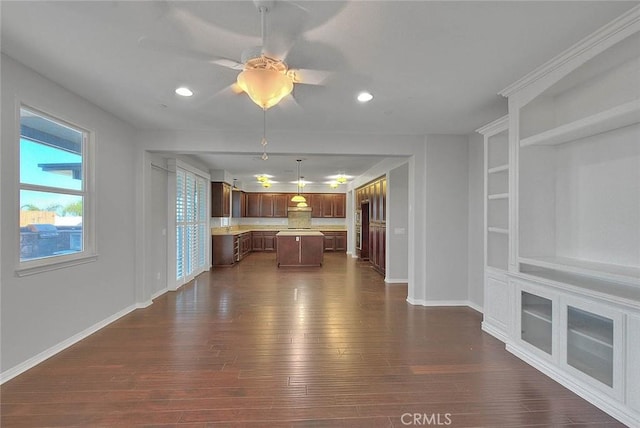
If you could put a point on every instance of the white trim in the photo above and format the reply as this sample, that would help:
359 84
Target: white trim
146 304
48 353
495 127
599 37
422 302
604 402
57 264
159 293
498 334
390 281
475 306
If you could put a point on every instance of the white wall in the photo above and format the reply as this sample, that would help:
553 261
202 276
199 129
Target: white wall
446 197
397 224
41 311
475 253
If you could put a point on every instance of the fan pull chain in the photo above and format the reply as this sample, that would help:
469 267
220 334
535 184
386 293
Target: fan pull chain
264 134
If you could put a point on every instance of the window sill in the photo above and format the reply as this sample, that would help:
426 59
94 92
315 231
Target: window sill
33 270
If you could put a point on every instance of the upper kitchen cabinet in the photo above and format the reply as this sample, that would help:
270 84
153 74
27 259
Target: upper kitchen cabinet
238 204
280 204
220 199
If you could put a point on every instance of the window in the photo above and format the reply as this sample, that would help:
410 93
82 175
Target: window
191 225
53 191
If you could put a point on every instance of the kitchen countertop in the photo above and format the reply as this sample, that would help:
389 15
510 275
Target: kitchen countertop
299 232
235 232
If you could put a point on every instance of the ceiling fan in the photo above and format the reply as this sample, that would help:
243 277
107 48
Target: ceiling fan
264 75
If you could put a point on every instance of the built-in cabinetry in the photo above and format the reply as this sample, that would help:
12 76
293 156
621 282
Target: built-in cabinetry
562 219
323 205
299 248
238 204
496 226
335 240
220 199
371 200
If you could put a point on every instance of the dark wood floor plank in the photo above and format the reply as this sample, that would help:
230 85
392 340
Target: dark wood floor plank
255 345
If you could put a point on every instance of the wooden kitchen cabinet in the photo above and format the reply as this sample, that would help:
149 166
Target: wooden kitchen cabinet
335 240
220 199
223 250
270 240
238 204
257 241
253 204
280 205
304 249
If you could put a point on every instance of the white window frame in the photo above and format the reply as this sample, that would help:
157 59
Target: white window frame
201 251
89 252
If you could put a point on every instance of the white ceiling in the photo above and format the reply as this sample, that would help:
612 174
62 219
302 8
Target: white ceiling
433 67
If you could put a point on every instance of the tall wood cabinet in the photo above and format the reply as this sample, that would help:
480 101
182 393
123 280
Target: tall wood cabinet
220 199
373 196
562 219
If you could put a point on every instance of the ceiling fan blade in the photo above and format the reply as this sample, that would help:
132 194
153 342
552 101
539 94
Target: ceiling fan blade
158 46
286 21
290 103
310 77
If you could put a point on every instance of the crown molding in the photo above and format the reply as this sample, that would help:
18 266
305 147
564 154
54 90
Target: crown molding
494 127
601 36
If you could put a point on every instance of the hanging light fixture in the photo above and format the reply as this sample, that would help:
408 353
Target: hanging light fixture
265 86
266 184
266 80
298 197
341 179
334 184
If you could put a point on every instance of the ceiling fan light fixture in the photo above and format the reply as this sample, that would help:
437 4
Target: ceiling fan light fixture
265 87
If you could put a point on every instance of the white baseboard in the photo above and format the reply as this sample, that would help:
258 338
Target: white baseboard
421 302
48 353
159 293
488 328
395 281
608 405
145 304
475 306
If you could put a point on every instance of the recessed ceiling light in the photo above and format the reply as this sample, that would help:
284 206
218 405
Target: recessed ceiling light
184 91
365 97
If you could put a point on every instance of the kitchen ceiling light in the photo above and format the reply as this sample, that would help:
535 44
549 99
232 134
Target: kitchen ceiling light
298 197
341 179
365 97
334 184
266 184
184 91
302 205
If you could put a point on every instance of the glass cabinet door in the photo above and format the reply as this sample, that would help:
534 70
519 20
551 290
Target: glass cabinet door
536 321
590 344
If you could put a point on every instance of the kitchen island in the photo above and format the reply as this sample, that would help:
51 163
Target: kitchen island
299 248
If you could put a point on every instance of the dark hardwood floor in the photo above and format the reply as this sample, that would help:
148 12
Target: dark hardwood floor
260 346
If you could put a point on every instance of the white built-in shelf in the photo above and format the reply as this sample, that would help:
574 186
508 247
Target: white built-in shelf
594 334
497 169
607 272
541 312
593 366
498 196
498 230
613 118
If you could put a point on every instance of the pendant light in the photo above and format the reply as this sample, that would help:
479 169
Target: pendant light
298 197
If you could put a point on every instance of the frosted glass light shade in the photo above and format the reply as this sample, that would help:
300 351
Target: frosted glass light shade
298 198
265 87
